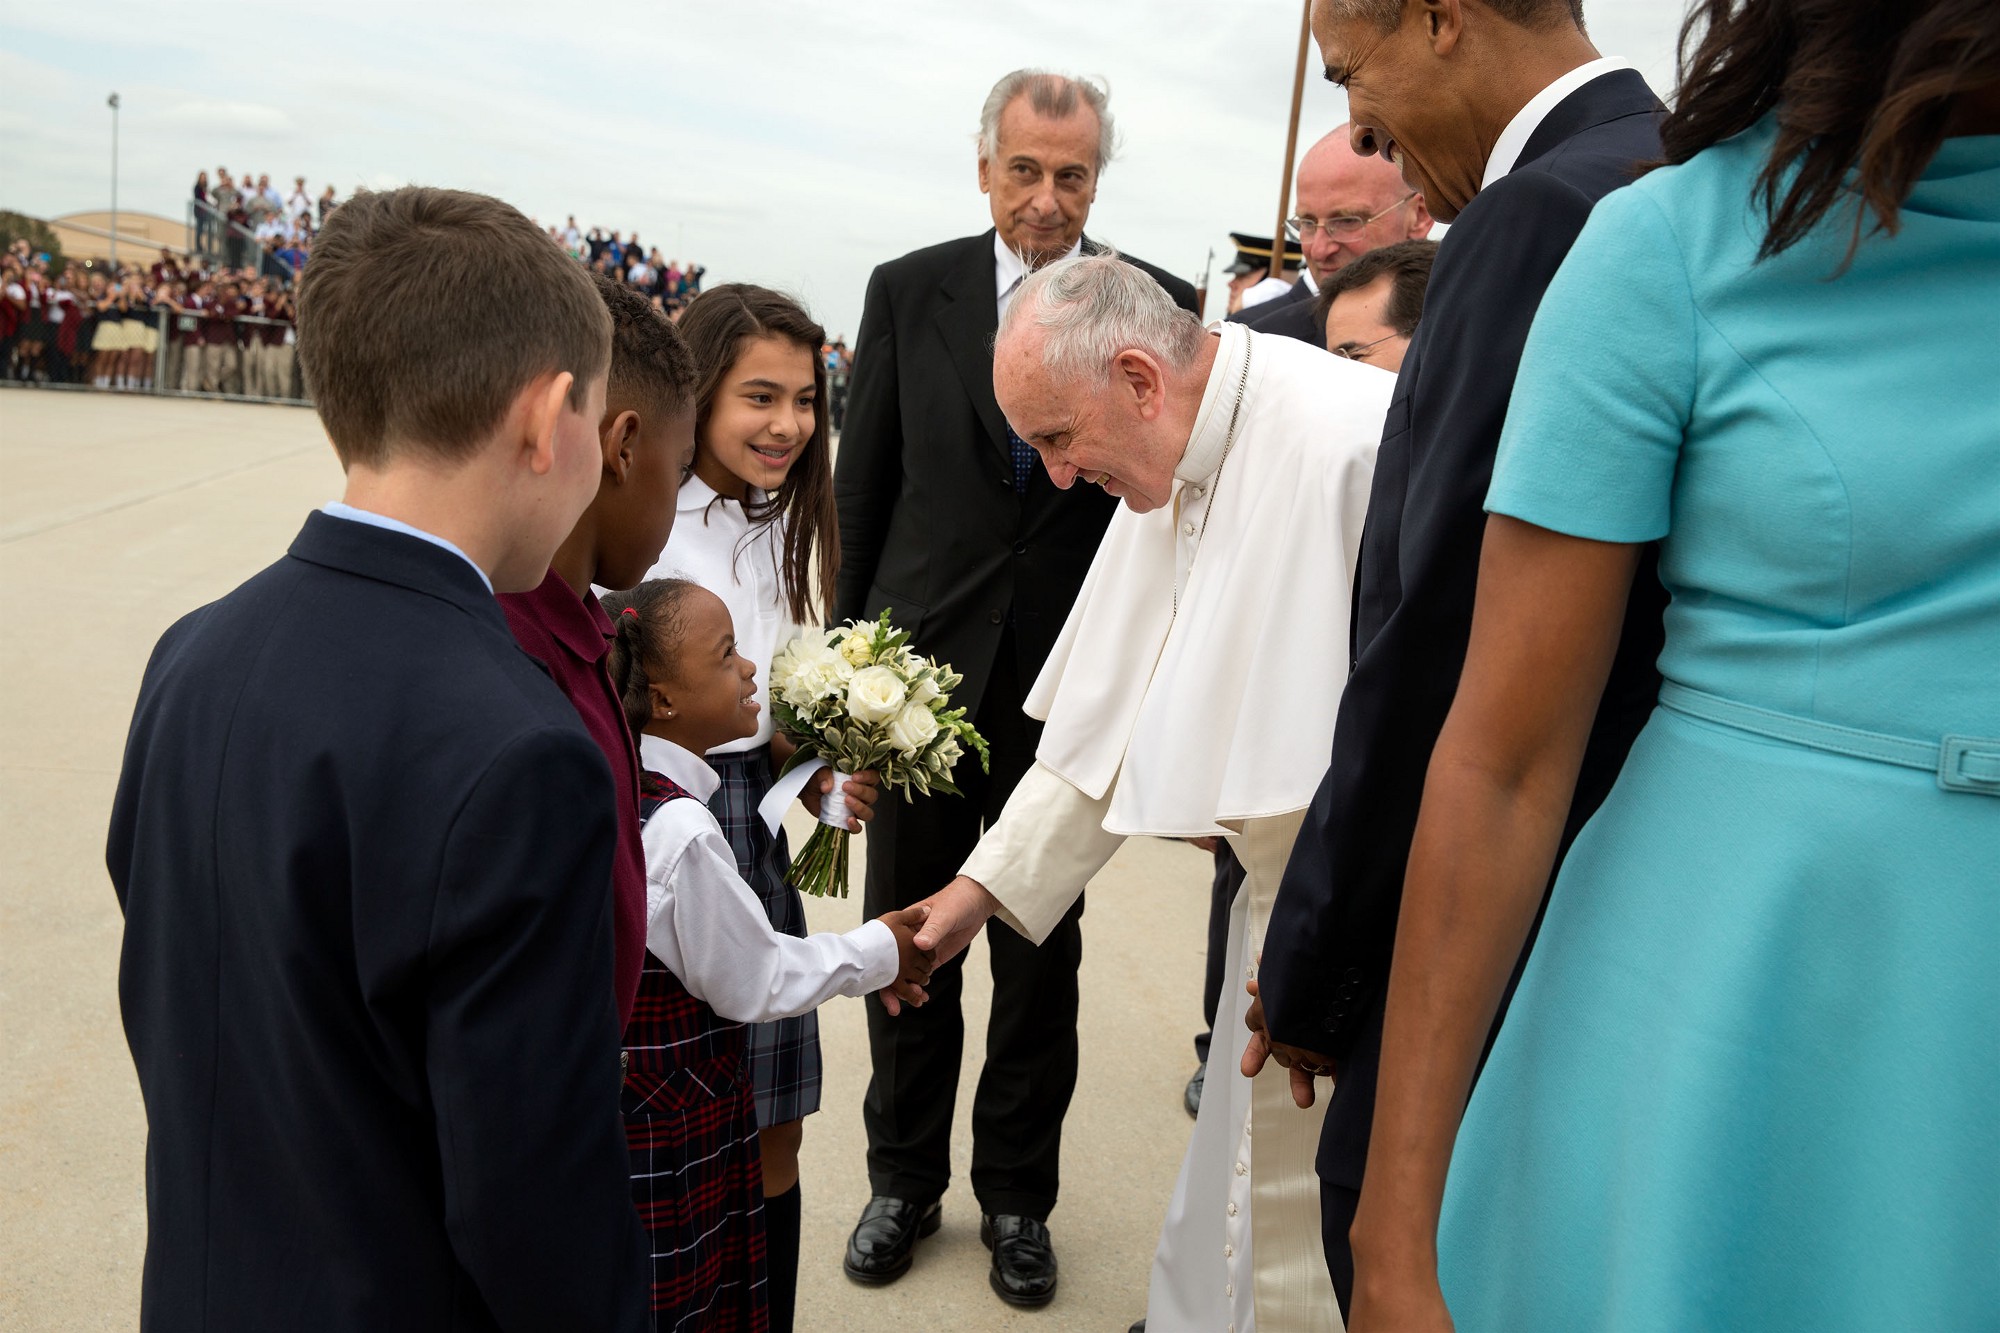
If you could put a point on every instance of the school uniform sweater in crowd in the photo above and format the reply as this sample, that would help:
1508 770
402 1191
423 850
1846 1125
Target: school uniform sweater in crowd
570 635
361 844
712 963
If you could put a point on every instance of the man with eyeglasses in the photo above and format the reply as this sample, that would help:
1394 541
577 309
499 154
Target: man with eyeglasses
1348 205
1371 307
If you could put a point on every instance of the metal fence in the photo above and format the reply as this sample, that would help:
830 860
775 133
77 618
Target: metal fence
247 357
214 237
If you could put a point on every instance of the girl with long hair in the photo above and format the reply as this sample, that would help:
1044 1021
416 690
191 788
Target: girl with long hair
756 526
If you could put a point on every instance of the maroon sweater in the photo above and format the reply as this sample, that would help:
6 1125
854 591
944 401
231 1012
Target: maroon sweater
571 636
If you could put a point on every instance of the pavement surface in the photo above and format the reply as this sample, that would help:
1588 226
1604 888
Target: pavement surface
118 514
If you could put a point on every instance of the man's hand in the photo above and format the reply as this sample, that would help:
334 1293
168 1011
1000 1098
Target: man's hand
1304 1065
913 965
957 911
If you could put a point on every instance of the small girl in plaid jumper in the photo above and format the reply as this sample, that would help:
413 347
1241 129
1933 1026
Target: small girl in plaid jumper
755 524
713 963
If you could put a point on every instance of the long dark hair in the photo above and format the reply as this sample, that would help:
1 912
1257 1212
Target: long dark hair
716 325
1858 85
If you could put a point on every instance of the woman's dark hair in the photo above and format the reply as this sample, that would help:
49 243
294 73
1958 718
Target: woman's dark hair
1859 86
716 324
648 622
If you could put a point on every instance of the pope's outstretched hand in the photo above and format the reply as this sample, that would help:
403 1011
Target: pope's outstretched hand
956 913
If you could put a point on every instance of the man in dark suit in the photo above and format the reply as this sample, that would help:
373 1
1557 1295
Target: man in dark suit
1553 128
363 843
1346 205
949 520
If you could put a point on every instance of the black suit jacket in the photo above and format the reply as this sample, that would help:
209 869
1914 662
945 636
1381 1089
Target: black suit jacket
1326 959
363 845
930 523
1293 315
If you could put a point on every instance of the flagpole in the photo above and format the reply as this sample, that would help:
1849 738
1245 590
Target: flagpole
1278 246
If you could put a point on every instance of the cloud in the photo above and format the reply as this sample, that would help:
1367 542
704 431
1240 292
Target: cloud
778 142
235 119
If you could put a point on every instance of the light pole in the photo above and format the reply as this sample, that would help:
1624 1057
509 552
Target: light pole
112 102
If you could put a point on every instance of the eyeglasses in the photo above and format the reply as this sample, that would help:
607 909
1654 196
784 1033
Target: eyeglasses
1346 225
1359 351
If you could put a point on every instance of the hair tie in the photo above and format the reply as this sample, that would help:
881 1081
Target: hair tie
632 612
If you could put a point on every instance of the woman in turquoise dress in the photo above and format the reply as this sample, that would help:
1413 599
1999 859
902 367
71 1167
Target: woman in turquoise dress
1750 1078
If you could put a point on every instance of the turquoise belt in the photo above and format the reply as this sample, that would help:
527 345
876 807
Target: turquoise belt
1962 763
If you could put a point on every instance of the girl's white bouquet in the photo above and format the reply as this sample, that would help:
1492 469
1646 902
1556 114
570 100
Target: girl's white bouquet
856 697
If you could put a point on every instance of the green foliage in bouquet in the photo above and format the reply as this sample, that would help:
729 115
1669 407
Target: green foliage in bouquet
857 697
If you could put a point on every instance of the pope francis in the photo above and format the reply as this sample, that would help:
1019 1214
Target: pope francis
1192 693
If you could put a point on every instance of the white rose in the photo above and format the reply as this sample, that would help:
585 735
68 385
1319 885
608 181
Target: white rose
874 695
924 691
913 729
808 671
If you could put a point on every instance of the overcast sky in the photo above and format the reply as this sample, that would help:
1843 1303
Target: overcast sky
794 144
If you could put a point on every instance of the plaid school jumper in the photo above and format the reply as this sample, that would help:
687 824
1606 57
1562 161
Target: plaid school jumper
691 1126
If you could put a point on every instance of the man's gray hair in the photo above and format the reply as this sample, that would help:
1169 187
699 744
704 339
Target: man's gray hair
1056 96
1092 308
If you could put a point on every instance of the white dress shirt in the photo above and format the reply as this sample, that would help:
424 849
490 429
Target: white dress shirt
715 544
710 930
340 509
1010 270
1507 148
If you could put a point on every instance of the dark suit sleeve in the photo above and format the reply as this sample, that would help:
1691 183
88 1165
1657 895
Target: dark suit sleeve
1327 954
522 1045
867 478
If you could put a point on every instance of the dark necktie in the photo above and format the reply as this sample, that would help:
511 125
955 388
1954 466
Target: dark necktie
1023 455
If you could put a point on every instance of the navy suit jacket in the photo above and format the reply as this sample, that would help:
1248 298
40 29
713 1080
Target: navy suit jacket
363 845
1291 315
1327 954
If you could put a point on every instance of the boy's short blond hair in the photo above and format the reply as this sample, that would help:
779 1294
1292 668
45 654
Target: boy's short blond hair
423 313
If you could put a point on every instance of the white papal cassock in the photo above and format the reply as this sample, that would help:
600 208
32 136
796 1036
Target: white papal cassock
1213 718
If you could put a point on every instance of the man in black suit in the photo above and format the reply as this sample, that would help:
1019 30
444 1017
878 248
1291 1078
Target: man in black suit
950 521
1346 205
363 843
1553 128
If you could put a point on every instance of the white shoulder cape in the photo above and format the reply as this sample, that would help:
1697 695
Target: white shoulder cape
1224 713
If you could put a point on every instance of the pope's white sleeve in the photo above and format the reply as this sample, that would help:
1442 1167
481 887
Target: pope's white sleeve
1049 843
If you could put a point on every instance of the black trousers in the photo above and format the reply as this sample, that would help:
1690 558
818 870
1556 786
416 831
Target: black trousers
1222 890
1336 1214
915 849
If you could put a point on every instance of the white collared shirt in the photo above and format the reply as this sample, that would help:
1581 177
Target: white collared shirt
1010 270
341 509
715 545
1507 148
710 930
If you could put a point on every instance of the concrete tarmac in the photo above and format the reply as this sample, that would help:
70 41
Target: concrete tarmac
118 514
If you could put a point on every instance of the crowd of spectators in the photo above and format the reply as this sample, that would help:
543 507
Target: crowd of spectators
232 216
225 330
668 283
223 310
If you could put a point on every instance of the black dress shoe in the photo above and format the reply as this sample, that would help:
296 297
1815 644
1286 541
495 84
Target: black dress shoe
1139 1327
1192 1097
1024 1259
884 1242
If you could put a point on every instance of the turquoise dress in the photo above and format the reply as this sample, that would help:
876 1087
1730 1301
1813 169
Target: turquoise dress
1751 1078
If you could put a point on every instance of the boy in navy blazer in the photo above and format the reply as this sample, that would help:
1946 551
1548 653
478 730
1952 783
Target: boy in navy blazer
364 844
